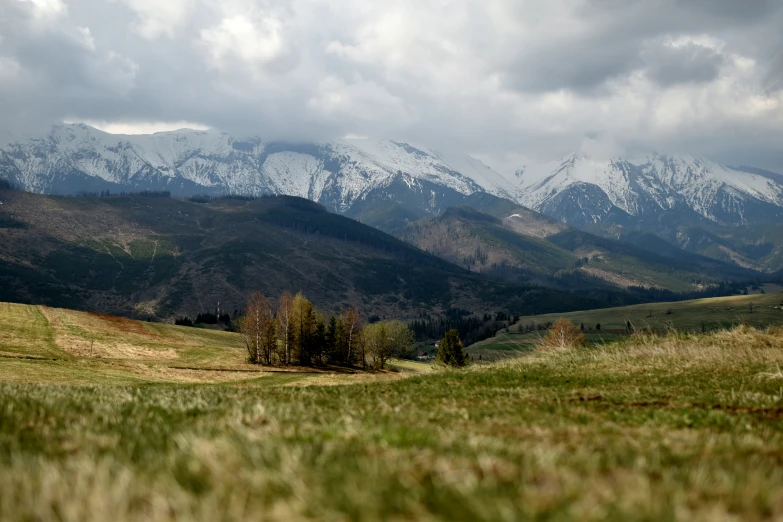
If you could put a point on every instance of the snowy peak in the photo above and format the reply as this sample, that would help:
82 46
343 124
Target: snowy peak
647 186
76 157
578 188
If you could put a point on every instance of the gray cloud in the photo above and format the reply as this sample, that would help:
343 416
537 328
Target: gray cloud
688 63
498 77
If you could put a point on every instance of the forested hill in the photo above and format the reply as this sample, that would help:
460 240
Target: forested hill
154 256
525 246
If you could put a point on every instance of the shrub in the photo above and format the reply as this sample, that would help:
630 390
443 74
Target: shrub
386 339
562 335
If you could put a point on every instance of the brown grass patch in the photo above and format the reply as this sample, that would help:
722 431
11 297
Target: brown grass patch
112 350
87 334
123 324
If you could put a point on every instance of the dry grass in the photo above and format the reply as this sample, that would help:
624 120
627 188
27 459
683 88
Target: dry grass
677 427
58 346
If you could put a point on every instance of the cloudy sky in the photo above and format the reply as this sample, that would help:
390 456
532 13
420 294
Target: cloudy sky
507 80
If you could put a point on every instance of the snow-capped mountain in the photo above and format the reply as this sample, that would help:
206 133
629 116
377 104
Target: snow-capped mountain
581 190
388 182
341 175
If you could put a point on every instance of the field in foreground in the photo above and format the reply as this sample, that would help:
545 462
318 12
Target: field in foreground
697 316
685 427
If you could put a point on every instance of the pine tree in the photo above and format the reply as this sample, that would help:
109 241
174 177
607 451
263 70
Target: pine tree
450 350
331 347
304 322
318 341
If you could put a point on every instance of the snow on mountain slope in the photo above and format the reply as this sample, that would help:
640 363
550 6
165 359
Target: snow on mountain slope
714 191
392 157
341 174
295 174
186 161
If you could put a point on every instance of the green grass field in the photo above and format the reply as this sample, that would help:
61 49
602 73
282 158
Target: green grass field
696 316
39 344
683 427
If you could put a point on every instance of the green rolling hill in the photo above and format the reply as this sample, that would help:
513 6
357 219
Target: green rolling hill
695 316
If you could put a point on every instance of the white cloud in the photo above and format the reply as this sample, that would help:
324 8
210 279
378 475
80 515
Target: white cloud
258 40
148 127
358 99
157 18
48 8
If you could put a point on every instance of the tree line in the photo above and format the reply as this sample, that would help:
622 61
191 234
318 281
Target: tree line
296 333
123 193
471 328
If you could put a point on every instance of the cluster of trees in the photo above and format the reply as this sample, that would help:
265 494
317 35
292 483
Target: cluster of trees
721 289
470 328
207 318
296 333
208 198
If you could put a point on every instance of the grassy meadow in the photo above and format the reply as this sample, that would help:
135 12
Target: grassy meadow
695 316
46 345
681 427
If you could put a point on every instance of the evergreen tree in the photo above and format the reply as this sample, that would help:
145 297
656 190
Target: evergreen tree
331 348
304 330
450 351
318 342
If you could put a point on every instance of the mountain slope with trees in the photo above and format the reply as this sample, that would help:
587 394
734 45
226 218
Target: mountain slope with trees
526 246
158 257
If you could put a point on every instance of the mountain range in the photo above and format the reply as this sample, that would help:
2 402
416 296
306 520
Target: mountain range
692 203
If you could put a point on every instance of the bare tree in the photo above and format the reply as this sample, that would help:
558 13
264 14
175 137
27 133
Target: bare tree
285 312
253 325
351 325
